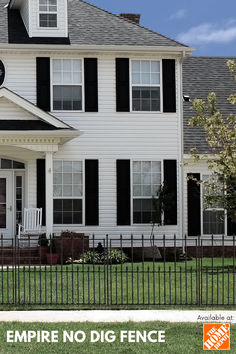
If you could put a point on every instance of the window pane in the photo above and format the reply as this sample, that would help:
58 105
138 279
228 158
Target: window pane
136 66
155 66
146 98
137 178
145 79
57 63
57 166
57 178
67 98
146 178
145 66
137 166
57 190
77 166
6 163
147 191
146 166
156 166
155 79
143 211
136 79
67 191
77 191
18 165
137 190
67 211
67 166
48 20
77 178
213 222
67 65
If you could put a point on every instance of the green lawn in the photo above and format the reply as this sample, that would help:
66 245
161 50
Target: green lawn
212 281
179 338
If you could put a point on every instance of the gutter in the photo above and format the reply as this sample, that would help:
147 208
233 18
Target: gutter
97 48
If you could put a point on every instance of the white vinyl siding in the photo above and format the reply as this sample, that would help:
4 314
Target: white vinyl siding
107 135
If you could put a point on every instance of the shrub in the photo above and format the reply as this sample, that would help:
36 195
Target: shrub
113 256
91 257
116 256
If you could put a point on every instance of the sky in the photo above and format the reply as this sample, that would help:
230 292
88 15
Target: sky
209 26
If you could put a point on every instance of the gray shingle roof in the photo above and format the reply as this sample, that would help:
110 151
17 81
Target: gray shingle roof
3 22
88 25
202 75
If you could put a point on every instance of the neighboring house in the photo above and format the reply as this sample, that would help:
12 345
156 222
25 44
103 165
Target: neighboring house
91 118
202 75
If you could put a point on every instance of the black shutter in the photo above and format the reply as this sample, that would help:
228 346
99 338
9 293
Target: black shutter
41 185
91 84
169 86
91 193
122 85
170 182
43 83
123 191
194 205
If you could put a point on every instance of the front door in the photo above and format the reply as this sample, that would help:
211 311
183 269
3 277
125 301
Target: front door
6 204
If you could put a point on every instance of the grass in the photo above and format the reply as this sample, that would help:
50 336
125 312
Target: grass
179 338
212 281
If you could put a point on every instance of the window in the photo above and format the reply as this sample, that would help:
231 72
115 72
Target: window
146 184
145 83
213 217
48 13
11 164
68 192
67 84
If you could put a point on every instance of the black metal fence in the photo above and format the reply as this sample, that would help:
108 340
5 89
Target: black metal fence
79 270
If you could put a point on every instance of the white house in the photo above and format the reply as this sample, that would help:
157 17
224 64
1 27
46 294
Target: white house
91 119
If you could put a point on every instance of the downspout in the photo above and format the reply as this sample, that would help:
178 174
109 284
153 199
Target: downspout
181 151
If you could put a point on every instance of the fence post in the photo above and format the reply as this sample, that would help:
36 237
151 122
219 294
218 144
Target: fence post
198 270
107 266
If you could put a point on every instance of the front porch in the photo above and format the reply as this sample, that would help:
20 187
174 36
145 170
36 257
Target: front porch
28 141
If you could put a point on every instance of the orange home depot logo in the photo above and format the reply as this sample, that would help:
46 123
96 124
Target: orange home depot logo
216 336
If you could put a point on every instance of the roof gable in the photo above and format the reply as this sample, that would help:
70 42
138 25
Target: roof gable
34 114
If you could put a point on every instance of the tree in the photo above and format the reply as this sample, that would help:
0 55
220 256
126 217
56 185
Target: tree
220 131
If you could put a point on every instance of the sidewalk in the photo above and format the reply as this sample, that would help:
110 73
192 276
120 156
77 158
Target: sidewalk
119 316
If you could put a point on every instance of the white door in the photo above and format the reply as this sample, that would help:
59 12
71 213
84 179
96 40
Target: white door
6 204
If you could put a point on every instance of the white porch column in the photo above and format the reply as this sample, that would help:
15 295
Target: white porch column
49 192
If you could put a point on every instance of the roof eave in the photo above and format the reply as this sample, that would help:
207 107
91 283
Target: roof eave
96 48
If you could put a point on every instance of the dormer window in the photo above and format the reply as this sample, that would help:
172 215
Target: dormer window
48 13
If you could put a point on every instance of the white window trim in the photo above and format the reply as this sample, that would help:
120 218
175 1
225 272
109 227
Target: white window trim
51 85
131 85
20 173
47 12
210 209
83 197
131 189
